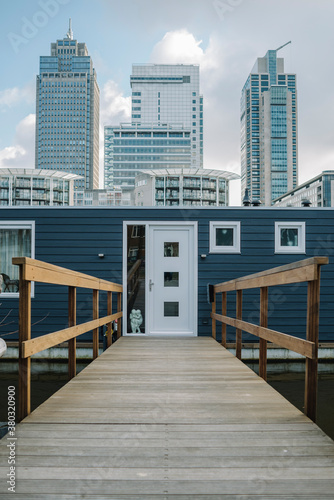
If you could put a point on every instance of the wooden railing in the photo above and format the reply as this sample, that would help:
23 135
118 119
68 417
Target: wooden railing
307 270
37 271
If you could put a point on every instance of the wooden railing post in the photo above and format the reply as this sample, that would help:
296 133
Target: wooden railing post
214 323
311 369
238 331
96 330
109 325
264 323
119 309
24 334
224 312
72 321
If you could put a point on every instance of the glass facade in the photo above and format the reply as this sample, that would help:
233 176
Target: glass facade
319 191
19 187
127 152
165 94
190 187
269 160
67 118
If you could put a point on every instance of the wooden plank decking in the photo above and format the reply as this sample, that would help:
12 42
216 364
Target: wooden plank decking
169 418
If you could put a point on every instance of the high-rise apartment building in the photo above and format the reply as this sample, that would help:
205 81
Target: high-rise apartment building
67 112
269 141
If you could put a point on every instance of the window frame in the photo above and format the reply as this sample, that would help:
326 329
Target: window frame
301 227
26 224
236 226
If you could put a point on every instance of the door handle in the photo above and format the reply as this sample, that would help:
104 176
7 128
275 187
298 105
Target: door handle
150 285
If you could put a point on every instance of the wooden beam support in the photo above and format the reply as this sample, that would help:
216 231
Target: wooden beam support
95 330
24 335
39 344
109 325
296 272
303 347
224 312
72 321
312 335
42 272
264 324
119 321
238 330
213 309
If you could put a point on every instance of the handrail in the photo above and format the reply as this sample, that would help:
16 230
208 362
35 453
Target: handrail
42 272
307 270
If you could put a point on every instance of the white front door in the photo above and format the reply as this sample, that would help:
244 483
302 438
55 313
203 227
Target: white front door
172 280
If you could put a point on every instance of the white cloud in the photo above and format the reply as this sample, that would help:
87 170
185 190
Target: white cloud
115 108
22 152
178 47
14 96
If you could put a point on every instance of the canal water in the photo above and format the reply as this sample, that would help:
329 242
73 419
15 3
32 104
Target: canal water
289 384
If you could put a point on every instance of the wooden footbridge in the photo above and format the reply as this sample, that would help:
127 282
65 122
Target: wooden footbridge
160 418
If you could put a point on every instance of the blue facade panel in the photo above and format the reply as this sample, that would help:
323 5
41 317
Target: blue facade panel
73 238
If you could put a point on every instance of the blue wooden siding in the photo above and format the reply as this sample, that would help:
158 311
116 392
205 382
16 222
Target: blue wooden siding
73 238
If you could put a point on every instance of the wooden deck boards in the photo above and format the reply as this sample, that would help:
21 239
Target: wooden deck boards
169 418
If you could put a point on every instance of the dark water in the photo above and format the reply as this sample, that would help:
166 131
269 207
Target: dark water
290 385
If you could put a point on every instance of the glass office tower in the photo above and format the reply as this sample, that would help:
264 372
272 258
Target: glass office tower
269 152
67 112
170 93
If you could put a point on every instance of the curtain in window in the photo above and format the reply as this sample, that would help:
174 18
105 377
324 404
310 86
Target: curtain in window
13 243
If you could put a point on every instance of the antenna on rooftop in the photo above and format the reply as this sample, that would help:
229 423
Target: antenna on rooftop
69 34
282 46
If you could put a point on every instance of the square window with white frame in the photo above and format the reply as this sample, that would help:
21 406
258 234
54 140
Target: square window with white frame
17 239
290 237
225 237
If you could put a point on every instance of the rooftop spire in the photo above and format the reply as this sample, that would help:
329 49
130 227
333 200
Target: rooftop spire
69 34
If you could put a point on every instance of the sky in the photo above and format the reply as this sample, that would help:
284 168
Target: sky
224 37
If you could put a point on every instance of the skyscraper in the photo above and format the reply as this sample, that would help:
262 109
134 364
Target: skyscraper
166 129
170 94
269 152
67 112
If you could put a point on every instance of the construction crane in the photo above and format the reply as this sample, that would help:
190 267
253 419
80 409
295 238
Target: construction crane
281 47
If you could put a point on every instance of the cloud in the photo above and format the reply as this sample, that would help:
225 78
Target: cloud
115 108
22 152
14 96
178 47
